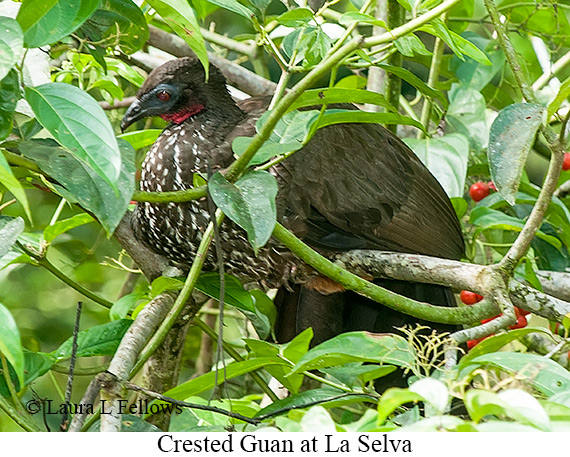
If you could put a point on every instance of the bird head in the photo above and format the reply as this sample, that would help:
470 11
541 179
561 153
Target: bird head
176 91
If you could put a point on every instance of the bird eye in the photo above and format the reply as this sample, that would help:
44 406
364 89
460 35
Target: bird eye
163 96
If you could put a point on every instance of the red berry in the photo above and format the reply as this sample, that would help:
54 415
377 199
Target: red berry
521 323
492 186
470 298
479 190
489 319
472 343
521 312
566 163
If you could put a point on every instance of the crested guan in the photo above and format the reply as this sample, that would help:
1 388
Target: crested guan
353 186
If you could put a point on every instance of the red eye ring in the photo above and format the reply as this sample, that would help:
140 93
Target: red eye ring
163 96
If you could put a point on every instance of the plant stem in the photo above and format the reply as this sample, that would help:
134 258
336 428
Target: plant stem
10 384
44 262
183 296
21 419
353 282
534 221
432 81
236 356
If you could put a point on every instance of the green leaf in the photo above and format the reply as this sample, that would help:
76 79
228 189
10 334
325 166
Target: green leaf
486 218
98 340
47 21
354 16
392 399
543 374
264 305
10 230
10 345
9 181
510 139
36 364
446 157
292 382
290 134
410 45
164 283
79 124
334 116
141 138
80 183
410 78
466 115
234 6
117 21
326 396
11 44
122 307
207 381
180 17
235 295
53 231
496 342
10 93
315 97
514 403
459 45
250 203
357 347
561 97
296 17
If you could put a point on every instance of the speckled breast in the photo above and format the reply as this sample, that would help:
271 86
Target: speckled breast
175 229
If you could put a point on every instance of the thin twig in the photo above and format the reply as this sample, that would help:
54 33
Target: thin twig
64 418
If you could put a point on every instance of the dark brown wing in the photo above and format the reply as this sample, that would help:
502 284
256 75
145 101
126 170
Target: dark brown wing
358 185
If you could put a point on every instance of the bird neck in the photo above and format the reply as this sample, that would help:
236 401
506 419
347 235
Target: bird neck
180 116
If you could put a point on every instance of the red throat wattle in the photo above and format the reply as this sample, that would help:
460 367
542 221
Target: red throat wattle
180 116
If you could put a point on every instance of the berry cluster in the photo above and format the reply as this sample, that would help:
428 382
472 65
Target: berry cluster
470 298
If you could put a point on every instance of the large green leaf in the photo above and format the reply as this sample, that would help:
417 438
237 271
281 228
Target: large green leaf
543 374
9 181
53 231
413 80
290 134
339 95
98 340
10 345
79 124
208 380
117 21
10 93
340 116
234 6
250 203
141 138
180 17
10 230
510 139
326 396
514 403
446 157
80 183
487 218
357 347
11 44
496 342
234 294
466 115
47 21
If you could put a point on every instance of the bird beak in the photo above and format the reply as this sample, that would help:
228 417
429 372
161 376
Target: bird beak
133 114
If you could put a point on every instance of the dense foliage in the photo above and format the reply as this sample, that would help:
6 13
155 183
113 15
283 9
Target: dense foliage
479 91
